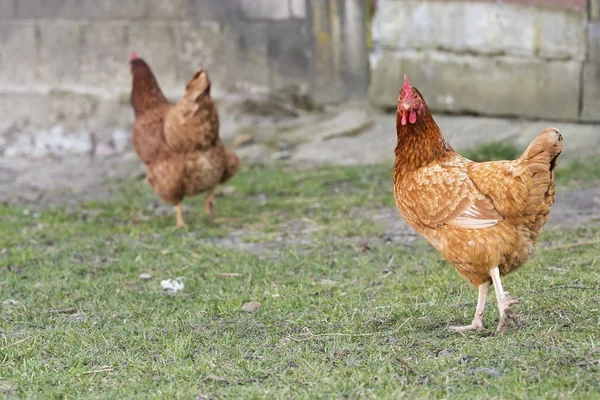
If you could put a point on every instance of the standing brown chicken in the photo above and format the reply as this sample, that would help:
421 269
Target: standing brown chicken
179 143
483 217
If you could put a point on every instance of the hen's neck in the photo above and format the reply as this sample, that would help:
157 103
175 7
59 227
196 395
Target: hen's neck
418 144
146 95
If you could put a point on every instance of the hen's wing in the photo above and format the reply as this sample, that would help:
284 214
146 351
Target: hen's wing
444 194
193 123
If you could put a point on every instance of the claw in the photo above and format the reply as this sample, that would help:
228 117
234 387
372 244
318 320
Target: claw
507 314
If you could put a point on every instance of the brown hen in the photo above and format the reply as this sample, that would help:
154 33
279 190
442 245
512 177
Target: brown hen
483 217
179 143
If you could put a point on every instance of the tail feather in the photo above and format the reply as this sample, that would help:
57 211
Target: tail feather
232 167
540 159
193 122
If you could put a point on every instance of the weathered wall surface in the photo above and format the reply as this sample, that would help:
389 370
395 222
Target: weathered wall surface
532 58
65 62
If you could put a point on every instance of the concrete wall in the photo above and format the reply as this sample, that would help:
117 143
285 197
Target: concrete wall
532 58
66 61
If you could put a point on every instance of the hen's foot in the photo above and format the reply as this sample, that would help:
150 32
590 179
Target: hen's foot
507 314
475 326
209 205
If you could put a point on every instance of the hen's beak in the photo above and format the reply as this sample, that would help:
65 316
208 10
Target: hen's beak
407 112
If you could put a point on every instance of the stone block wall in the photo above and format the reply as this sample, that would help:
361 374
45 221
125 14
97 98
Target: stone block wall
530 58
66 61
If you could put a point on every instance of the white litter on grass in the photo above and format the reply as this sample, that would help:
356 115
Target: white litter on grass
10 302
173 285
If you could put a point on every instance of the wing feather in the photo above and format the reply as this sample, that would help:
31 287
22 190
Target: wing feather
445 195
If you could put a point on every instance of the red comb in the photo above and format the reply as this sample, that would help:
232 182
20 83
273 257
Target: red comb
134 56
407 88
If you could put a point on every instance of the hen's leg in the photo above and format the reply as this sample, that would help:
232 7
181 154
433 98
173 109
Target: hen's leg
180 223
504 303
209 204
477 323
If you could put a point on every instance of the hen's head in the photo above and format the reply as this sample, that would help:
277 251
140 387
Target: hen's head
410 103
145 92
138 66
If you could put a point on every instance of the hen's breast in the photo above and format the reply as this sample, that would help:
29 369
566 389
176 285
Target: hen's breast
148 135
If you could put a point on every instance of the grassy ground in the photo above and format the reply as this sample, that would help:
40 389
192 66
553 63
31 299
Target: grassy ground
346 310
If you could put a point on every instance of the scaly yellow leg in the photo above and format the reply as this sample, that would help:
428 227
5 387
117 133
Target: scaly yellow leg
504 303
209 204
477 323
180 223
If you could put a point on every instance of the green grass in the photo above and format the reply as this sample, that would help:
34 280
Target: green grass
344 315
493 151
578 171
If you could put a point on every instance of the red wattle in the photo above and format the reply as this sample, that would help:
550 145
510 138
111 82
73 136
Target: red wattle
403 121
412 118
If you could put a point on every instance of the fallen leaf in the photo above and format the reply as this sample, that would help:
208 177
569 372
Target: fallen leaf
327 282
364 246
243 139
251 306
229 275
69 310
216 378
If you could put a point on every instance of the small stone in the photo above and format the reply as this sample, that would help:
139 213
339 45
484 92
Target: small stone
145 276
280 155
445 353
243 139
103 150
228 190
493 372
205 397
251 306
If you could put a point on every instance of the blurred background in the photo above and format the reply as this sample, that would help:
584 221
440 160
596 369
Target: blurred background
310 81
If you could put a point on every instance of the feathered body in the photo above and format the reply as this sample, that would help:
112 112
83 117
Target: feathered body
179 143
480 216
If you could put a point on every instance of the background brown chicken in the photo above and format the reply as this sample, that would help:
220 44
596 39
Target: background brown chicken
179 143
483 217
